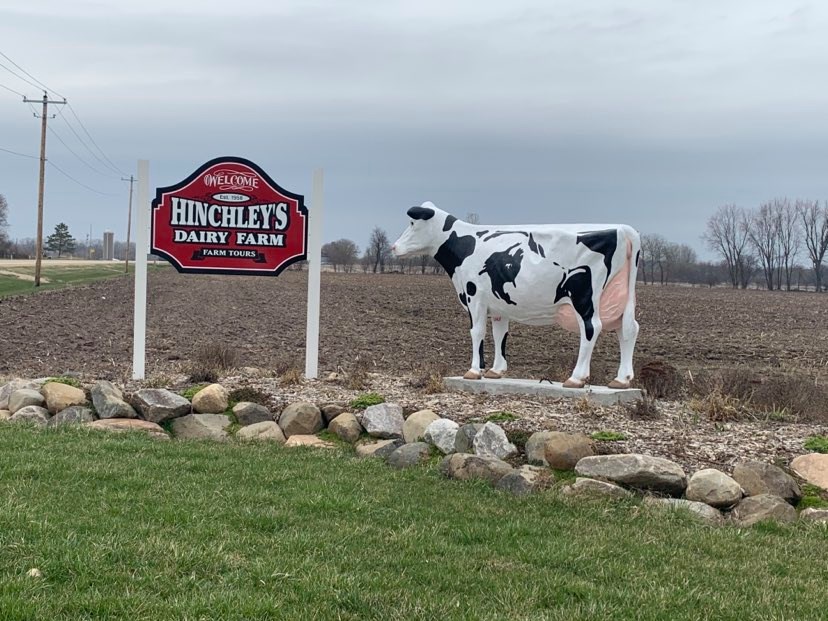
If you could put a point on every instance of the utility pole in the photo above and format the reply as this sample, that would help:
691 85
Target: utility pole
43 117
129 219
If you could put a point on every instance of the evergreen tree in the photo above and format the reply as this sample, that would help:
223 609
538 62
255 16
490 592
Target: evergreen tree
61 240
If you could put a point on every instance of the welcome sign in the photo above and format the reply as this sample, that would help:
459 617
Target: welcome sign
229 217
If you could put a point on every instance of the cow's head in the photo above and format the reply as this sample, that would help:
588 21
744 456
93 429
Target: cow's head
426 231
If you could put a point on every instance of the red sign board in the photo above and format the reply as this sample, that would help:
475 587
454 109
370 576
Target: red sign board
229 217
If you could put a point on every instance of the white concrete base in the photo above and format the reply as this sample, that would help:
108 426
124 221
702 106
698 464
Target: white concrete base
600 395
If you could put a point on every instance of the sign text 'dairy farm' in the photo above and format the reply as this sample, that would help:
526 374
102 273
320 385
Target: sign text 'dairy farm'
229 217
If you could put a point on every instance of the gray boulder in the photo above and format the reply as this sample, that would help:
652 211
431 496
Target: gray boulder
330 411
380 448
300 419
442 433
763 507
536 448
74 415
592 488
347 427
523 481
109 401
757 478
32 415
465 467
713 488
23 397
637 471
159 405
248 413
264 430
699 510
409 455
563 450
812 514
16 384
201 427
5 415
464 440
415 425
491 441
384 420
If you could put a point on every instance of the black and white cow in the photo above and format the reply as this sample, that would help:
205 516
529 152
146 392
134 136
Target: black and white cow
580 276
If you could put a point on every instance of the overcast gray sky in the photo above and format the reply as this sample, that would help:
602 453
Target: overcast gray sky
651 113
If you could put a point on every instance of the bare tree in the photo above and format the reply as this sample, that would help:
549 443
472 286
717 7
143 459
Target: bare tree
652 250
341 253
473 218
378 249
764 238
4 224
789 240
815 234
727 234
679 263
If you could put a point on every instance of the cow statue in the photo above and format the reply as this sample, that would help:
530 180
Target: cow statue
579 275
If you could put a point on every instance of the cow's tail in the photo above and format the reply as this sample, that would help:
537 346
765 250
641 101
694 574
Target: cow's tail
633 243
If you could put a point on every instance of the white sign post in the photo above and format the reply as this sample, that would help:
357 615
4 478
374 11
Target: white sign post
139 325
314 276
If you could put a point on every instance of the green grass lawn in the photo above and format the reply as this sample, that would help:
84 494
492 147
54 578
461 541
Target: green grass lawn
124 527
59 276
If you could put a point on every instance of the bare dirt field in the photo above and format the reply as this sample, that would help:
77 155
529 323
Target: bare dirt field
396 323
398 327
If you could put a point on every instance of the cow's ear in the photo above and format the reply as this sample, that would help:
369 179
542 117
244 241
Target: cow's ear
420 213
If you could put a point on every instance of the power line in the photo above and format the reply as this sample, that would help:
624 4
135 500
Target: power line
72 110
31 76
82 161
71 178
34 157
83 142
11 90
20 77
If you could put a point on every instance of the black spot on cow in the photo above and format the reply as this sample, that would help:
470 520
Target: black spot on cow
503 267
499 233
481 233
463 299
482 353
577 286
471 288
454 251
503 345
536 247
604 242
637 257
450 220
421 213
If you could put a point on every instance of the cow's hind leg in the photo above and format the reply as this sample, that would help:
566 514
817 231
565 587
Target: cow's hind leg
590 330
477 313
625 369
500 332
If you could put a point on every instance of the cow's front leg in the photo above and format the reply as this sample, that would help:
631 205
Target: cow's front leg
477 313
590 329
500 332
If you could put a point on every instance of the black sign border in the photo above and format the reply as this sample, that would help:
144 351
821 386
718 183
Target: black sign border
156 204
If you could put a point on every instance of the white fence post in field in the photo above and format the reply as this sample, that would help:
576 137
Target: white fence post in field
314 276
139 325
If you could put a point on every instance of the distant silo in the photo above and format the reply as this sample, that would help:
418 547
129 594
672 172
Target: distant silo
108 245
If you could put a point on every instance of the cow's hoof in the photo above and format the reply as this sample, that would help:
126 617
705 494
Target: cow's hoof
573 383
476 375
618 385
490 374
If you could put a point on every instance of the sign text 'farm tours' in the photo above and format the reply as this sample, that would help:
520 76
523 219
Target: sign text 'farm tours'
229 217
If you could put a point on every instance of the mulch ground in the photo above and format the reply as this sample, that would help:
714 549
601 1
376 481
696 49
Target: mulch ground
395 323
